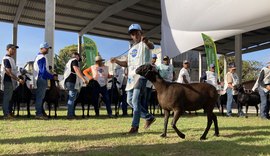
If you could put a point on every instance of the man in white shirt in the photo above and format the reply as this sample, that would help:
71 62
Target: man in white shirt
231 79
138 55
184 73
210 76
263 86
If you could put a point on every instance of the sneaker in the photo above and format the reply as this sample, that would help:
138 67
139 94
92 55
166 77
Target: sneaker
148 123
133 130
41 117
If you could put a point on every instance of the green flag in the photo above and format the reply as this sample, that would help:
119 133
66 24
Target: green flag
90 50
211 53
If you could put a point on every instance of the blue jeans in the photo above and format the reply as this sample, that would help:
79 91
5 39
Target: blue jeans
40 94
264 109
72 94
134 99
8 91
104 92
146 98
229 101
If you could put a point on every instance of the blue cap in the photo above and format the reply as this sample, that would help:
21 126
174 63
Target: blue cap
134 27
212 65
45 45
154 56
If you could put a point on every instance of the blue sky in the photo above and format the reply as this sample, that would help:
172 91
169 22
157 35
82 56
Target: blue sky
29 39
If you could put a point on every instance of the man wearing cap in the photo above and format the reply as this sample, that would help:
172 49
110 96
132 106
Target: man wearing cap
100 73
183 76
210 76
41 75
166 70
230 80
9 79
263 86
138 55
71 81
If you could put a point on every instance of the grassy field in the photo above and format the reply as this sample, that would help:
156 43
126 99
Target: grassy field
105 136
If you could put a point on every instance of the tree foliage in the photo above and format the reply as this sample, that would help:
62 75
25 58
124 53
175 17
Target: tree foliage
64 55
250 69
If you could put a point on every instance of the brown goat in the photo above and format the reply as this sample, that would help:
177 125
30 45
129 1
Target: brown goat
179 98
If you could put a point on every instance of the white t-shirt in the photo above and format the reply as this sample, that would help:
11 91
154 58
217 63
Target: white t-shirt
138 55
211 78
183 72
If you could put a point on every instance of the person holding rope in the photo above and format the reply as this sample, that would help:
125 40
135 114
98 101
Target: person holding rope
9 79
100 73
138 55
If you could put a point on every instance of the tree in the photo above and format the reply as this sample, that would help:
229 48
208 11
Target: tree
250 69
64 55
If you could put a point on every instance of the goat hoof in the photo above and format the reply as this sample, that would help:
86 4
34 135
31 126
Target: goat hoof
203 138
246 116
217 135
163 135
182 136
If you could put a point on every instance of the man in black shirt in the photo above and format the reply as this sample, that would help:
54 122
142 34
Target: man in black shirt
9 78
72 71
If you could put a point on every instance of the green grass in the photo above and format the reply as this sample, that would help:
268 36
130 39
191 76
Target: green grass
104 136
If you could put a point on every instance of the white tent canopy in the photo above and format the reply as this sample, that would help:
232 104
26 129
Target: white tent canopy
183 21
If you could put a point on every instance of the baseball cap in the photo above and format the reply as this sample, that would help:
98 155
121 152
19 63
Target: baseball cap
212 65
98 58
134 27
45 45
166 57
154 56
185 61
12 46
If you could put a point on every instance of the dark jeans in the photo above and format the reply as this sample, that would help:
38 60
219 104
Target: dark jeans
40 94
264 110
72 94
104 92
8 91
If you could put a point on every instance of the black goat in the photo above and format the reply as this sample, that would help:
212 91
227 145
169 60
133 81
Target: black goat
179 98
22 94
247 99
114 95
86 96
223 102
52 95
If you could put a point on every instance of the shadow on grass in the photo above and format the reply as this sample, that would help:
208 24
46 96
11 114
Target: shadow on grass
70 138
173 149
78 117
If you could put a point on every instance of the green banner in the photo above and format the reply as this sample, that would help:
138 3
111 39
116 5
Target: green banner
90 50
211 53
